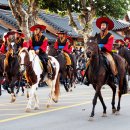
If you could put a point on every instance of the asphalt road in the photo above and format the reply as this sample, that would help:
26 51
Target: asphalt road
70 113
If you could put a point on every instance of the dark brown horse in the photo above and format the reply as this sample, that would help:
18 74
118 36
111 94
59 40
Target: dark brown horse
98 75
68 76
11 72
125 53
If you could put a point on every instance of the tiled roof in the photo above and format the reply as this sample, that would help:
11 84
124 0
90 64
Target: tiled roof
50 36
2 30
59 23
118 25
8 18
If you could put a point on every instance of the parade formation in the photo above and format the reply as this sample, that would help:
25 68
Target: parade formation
31 62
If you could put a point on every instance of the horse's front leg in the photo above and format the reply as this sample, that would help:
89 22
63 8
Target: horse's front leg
36 106
103 104
51 84
98 88
12 85
18 87
31 96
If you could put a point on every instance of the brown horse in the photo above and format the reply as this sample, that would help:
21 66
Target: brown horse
125 53
30 63
68 75
98 75
11 64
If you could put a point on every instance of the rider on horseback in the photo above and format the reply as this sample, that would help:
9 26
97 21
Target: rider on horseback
127 42
119 43
39 43
105 41
7 39
19 40
62 44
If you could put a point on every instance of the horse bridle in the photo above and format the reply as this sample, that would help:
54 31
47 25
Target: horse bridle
27 65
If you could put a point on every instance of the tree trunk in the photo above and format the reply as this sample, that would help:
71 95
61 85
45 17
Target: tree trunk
25 16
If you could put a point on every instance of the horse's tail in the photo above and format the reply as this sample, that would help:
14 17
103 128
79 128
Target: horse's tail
57 86
125 86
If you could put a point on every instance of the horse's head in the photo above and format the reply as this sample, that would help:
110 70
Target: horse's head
92 48
24 59
52 51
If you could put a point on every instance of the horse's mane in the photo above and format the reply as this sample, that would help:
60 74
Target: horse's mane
8 54
23 49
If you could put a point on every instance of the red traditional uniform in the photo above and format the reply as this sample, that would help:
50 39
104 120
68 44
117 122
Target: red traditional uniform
64 46
42 44
127 40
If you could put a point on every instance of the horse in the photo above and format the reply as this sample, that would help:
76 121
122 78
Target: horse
30 64
125 53
98 75
11 64
66 75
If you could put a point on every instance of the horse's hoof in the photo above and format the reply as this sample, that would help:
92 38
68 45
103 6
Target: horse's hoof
113 111
22 94
70 90
36 108
54 100
28 110
27 96
117 113
13 100
91 119
104 115
48 106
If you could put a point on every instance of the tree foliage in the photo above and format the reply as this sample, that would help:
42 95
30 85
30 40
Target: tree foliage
114 8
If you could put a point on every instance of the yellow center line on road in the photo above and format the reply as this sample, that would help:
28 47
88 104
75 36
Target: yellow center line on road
47 111
9 114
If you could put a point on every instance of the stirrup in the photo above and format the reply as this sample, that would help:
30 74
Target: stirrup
42 76
69 67
50 75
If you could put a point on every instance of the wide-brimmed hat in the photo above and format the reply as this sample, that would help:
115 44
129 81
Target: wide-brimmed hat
61 32
127 38
20 32
69 38
120 40
101 20
12 32
42 27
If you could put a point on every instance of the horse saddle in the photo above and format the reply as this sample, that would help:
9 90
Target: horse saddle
109 61
49 67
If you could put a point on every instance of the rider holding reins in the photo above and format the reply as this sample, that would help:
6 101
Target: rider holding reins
62 43
105 41
39 43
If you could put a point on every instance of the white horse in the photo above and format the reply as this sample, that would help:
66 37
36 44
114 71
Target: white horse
30 63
